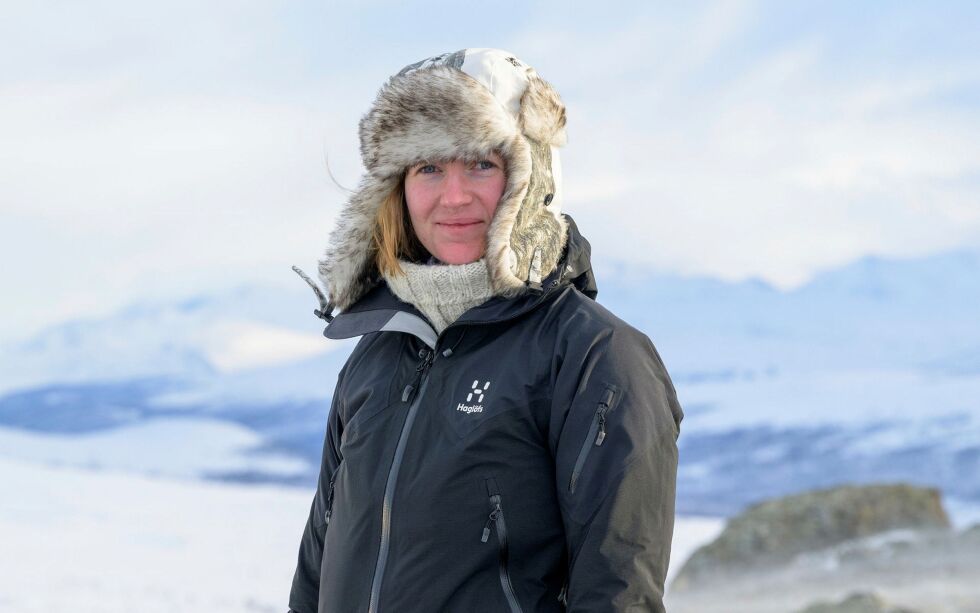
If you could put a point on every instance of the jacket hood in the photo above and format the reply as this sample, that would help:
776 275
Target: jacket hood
461 105
576 262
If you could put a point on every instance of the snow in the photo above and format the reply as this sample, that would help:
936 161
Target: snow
207 335
963 514
869 373
185 448
96 542
689 534
847 397
238 345
85 541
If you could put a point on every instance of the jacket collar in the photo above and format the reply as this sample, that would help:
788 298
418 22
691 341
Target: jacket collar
379 310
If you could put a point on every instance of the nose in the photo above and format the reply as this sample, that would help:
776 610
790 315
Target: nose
456 187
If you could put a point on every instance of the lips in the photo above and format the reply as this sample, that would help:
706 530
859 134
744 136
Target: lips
459 223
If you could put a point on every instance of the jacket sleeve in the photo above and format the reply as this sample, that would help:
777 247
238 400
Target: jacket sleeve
617 419
305 591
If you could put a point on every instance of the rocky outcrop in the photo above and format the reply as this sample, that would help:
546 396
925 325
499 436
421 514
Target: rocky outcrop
776 531
861 602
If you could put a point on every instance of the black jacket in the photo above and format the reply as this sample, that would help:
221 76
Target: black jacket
523 459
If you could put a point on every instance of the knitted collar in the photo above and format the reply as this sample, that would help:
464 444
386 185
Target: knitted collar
442 292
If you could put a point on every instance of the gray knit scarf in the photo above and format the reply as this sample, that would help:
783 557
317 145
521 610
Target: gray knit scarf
442 292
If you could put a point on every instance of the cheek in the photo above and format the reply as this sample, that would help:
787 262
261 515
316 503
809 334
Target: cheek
493 193
416 202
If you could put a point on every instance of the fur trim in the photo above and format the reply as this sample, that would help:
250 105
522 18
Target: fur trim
434 110
542 113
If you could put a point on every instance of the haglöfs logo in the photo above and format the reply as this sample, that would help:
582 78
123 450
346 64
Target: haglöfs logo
478 392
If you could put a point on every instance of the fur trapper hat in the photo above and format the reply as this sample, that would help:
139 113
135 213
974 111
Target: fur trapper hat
460 105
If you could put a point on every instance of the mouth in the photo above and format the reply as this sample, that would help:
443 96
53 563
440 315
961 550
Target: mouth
463 223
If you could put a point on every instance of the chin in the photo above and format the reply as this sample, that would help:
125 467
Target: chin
459 256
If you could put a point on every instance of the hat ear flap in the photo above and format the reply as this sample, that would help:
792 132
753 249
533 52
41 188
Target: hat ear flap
542 116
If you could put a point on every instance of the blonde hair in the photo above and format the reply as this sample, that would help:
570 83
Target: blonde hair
394 238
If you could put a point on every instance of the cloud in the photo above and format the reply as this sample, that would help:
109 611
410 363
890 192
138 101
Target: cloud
149 150
777 168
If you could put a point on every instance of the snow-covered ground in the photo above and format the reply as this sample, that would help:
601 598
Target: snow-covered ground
689 534
100 542
207 446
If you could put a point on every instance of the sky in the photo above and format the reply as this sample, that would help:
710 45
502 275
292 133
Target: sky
151 150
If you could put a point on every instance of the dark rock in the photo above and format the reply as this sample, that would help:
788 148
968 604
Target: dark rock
860 602
776 531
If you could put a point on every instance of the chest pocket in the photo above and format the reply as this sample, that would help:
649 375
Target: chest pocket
484 389
372 389
481 404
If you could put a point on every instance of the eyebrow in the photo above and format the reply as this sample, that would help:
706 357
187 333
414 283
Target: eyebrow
465 159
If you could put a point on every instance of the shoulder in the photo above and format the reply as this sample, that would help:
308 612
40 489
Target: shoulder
577 320
592 342
370 349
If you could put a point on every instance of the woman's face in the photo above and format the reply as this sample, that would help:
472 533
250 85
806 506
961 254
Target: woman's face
451 205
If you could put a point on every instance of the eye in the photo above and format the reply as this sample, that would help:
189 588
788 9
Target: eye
425 169
485 165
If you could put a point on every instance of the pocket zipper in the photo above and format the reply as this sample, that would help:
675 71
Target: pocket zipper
596 435
497 520
329 511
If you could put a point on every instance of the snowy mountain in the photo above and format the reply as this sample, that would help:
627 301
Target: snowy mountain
869 372
246 372
248 328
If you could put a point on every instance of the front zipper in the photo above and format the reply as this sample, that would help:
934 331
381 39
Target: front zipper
421 380
596 435
497 520
418 388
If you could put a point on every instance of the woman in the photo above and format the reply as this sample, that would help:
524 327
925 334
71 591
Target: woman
498 441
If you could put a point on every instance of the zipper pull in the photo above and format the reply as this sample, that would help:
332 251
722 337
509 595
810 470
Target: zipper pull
601 436
563 594
426 357
486 528
329 512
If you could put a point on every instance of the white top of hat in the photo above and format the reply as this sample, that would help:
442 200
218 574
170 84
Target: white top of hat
499 71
